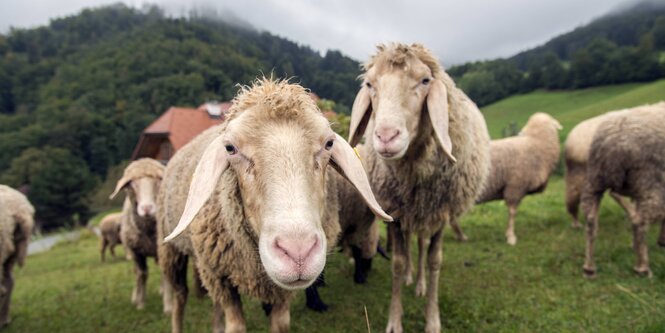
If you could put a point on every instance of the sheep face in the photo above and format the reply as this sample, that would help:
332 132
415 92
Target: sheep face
279 151
403 95
143 191
280 166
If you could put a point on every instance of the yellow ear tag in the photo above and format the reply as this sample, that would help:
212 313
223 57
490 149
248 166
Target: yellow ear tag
357 153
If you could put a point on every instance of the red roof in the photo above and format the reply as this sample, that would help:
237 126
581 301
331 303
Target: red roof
180 125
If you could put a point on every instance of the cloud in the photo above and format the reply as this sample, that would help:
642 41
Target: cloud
457 31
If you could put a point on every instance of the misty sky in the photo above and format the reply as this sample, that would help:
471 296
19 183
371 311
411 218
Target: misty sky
457 31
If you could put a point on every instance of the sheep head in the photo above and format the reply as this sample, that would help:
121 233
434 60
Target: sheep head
278 145
402 87
540 122
141 180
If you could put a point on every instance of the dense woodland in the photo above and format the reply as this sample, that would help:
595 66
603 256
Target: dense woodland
624 46
75 95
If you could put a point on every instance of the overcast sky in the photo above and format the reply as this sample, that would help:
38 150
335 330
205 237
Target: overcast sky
457 31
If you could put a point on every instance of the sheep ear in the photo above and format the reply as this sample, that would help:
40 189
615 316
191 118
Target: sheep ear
558 125
204 180
347 163
437 107
122 182
360 113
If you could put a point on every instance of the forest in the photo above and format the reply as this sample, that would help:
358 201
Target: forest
75 94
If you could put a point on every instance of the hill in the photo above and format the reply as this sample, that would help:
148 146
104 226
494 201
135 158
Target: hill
626 45
75 95
569 107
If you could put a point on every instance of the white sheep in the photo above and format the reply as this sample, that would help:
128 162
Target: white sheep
522 165
427 154
251 199
627 156
138 231
109 229
16 223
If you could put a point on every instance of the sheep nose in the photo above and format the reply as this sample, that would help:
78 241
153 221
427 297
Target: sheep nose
386 134
148 208
298 249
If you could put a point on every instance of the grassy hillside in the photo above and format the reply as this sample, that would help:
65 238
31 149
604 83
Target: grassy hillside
570 107
486 285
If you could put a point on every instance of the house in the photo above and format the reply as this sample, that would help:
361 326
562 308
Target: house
175 128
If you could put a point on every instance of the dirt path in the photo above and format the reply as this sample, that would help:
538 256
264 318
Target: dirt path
48 242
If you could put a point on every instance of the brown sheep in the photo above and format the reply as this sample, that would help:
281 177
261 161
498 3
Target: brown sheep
253 204
427 155
522 165
138 231
16 223
627 156
109 229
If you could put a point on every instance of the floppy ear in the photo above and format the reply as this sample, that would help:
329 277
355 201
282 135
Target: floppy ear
347 163
122 182
558 125
206 175
360 113
437 107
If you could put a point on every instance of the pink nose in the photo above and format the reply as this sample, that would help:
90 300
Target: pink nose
297 249
148 209
386 134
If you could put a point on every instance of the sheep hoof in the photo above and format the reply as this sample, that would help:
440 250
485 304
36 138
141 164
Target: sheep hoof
394 326
512 240
589 273
462 238
643 272
661 242
421 288
408 279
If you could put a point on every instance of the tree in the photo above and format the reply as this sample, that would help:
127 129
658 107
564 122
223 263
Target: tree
59 184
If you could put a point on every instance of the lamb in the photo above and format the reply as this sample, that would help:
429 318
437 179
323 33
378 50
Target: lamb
427 155
16 223
138 231
576 152
252 202
522 165
627 156
110 233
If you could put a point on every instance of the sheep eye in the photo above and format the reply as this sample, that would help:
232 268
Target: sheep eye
329 144
231 149
369 85
426 81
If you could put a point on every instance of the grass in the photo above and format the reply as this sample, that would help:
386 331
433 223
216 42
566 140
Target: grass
486 285
570 107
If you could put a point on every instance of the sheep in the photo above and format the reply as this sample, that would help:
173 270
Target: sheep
138 233
576 154
110 233
252 202
627 156
16 223
522 165
427 155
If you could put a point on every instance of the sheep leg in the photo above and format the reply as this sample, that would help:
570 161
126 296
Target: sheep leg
232 305
280 318
178 281
661 238
625 204
574 178
400 248
459 234
511 239
434 257
591 211
314 301
102 246
217 318
408 275
421 284
362 265
6 293
389 242
640 227
141 270
112 249
167 295
199 290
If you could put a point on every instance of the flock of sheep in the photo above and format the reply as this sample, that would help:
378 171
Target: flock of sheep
254 206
